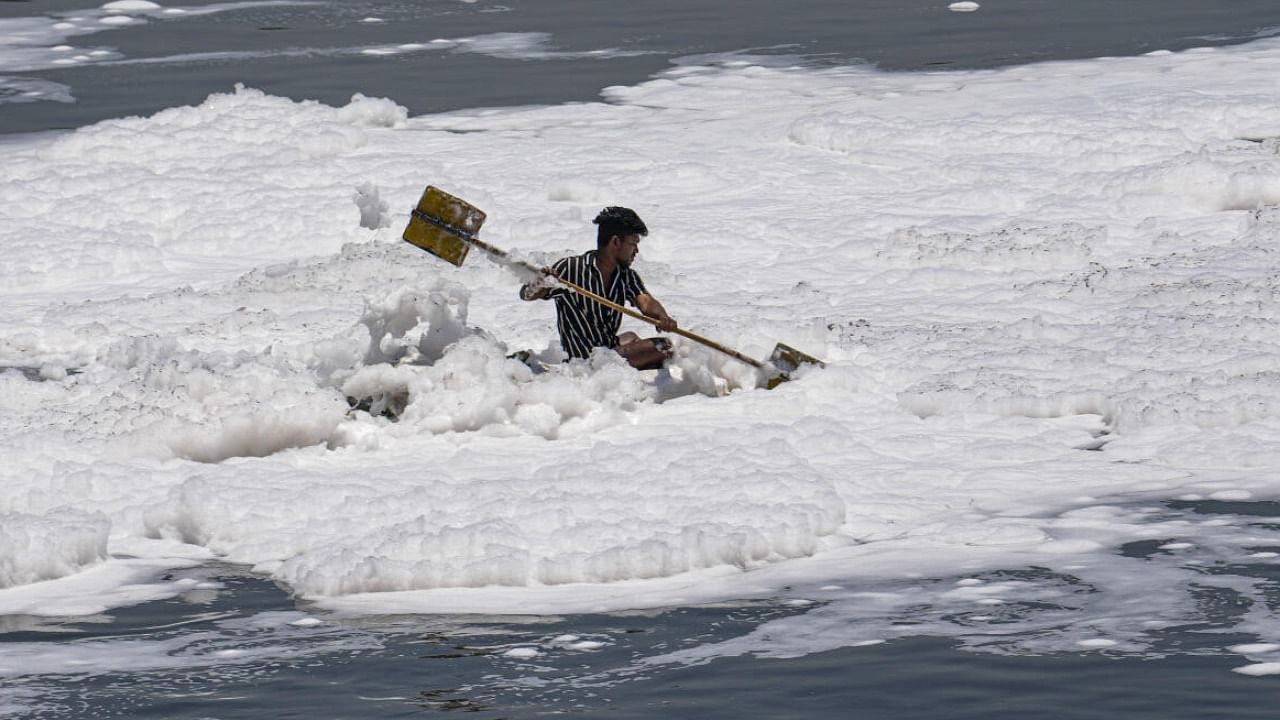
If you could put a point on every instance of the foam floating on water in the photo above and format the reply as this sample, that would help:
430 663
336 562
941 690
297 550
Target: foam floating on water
1097 643
1254 648
1259 669
131 6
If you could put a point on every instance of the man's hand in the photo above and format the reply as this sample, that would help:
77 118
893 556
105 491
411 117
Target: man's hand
538 289
665 324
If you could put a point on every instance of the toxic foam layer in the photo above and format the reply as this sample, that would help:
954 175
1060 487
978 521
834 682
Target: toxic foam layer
167 222
548 523
1041 291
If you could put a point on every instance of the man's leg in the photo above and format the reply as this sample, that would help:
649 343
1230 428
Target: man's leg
647 354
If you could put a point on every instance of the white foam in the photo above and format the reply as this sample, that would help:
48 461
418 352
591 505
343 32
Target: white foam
1259 669
1231 495
49 546
1095 643
1254 648
105 584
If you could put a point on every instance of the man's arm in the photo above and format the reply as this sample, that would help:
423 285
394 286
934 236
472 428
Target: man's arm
650 306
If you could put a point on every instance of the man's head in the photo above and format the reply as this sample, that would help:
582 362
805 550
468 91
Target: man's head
618 233
617 221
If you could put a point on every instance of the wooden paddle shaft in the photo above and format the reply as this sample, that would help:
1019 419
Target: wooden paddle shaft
641 316
499 252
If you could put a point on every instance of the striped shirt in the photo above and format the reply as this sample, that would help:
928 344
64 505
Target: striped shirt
586 324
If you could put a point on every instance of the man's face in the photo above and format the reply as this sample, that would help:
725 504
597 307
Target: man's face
628 246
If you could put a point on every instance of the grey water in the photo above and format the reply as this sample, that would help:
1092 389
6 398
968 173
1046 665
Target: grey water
308 49
410 667
241 647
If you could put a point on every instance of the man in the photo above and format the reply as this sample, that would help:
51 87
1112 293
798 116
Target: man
585 324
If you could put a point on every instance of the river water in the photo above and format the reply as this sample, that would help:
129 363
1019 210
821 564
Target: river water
554 52
237 646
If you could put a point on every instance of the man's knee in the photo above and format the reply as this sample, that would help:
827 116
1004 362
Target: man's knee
647 354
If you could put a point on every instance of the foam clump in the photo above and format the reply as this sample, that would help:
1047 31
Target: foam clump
174 187
373 209
568 523
209 406
1259 669
257 433
279 129
372 112
416 325
475 387
49 546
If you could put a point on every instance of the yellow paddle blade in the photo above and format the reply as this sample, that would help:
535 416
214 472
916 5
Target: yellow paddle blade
442 224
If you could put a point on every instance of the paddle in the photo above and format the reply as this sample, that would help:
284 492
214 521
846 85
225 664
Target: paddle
447 227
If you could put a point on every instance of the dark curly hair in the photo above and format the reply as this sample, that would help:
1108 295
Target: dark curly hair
615 220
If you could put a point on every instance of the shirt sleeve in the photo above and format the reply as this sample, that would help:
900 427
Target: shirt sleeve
634 286
563 270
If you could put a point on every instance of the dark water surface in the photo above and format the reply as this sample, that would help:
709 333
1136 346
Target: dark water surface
394 667
242 648
312 49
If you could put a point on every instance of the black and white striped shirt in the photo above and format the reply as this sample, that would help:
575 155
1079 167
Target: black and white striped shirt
585 324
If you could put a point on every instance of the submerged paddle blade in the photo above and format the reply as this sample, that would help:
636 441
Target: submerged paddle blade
442 225
787 360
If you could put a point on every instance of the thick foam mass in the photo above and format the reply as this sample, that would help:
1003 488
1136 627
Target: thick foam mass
545 523
174 198
44 547
1044 293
